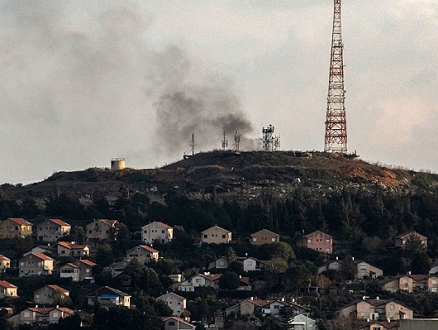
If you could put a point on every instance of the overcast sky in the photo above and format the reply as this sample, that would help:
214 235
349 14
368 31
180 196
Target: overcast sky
84 81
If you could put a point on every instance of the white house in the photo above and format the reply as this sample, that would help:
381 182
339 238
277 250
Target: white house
156 231
177 303
251 264
143 253
200 280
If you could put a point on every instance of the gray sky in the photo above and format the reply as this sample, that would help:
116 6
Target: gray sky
84 81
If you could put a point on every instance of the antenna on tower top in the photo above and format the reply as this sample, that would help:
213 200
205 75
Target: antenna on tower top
270 142
192 147
336 124
237 137
224 142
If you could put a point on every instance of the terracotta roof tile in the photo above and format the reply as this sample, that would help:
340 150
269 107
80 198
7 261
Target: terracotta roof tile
58 288
3 258
21 221
6 284
59 222
42 256
87 262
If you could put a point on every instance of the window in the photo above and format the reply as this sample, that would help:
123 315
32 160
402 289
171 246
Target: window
276 306
273 239
392 307
309 241
254 239
171 323
26 314
205 236
223 236
55 314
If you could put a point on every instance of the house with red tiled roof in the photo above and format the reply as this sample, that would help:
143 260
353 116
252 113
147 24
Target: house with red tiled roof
200 280
86 270
66 249
412 283
156 231
102 229
40 316
51 230
319 241
216 235
5 263
377 310
177 303
8 290
35 264
15 227
176 323
70 270
142 253
51 294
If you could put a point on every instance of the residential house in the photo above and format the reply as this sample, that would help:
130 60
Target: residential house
66 249
86 270
156 231
51 294
365 269
301 322
117 268
252 264
401 239
264 236
70 270
200 280
50 230
102 229
377 310
319 241
216 235
5 263
15 227
412 283
256 307
107 297
244 284
220 263
335 265
8 290
40 316
177 303
176 323
143 253
45 249
35 264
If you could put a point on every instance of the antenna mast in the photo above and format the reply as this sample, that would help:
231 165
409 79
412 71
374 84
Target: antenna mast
224 142
336 124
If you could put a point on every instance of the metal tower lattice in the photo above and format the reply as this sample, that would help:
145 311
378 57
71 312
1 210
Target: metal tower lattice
336 124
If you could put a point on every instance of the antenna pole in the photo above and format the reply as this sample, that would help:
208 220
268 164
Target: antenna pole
336 124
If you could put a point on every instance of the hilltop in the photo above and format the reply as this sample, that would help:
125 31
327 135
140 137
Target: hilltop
231 175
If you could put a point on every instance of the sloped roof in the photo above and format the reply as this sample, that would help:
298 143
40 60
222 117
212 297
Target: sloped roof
217 227
3 258
316 231
58 288
41 310
173 294
42 256
65 310
211 277
409 233
59 222
21 221
263 303
264 231
148 248
107 288
87 262
179 320
70 264
162 224
7 285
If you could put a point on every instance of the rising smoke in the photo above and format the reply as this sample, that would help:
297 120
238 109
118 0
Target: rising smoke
81 83
188 102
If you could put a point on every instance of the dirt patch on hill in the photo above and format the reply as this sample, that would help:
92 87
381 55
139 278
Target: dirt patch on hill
382 176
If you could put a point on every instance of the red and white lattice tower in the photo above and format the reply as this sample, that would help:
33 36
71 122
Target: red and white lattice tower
336 124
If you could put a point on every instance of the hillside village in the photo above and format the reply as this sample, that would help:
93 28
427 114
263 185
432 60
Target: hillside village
303 245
